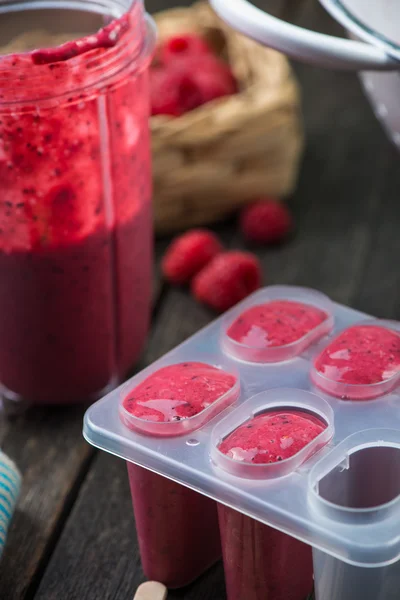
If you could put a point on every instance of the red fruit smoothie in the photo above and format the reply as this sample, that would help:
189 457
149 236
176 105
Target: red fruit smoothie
178 392
271 437
262 563
177 527
362 355
75 216
275 323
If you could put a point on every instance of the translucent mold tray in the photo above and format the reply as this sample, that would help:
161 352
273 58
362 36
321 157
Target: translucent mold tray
283 350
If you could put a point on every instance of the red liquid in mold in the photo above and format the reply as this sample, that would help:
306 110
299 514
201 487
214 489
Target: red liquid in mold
271 437
178 392
361 355
75 217
275 323
177 528
260 562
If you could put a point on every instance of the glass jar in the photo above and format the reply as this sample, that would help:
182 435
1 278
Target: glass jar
75 199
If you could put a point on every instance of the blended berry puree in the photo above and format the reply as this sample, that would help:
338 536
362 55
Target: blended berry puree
75 214
361 355
275 323
178 392
177 528
272 437
260 562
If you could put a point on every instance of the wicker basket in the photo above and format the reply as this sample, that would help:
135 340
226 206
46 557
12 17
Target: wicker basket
218 157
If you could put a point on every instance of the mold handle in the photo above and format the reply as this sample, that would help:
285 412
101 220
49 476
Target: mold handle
302 44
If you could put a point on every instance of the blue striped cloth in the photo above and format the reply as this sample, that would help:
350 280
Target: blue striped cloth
10 485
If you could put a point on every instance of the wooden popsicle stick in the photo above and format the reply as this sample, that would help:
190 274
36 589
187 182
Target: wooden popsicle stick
151 590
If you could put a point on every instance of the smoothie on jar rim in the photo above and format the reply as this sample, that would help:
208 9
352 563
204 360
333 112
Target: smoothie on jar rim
260 562
177 527
275 323
75 216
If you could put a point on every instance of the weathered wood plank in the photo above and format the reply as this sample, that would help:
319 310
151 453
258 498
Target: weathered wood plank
48 447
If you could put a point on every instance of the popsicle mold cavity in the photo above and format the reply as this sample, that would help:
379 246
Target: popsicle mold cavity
178 398
280 327
359 481
361 363
273 434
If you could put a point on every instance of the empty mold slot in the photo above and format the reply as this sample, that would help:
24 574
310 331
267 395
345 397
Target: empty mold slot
277 324
370 479
358 482
337 580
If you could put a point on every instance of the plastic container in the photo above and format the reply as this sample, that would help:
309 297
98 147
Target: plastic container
342 491
259 561
75 220
177 528
350 516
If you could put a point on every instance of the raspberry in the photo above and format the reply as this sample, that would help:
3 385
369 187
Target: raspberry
188 254
182 46
165 92
206 78
266 221
180 86
227 279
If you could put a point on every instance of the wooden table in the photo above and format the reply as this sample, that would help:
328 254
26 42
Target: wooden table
73 535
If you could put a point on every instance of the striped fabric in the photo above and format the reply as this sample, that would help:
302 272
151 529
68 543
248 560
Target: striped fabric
10 484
